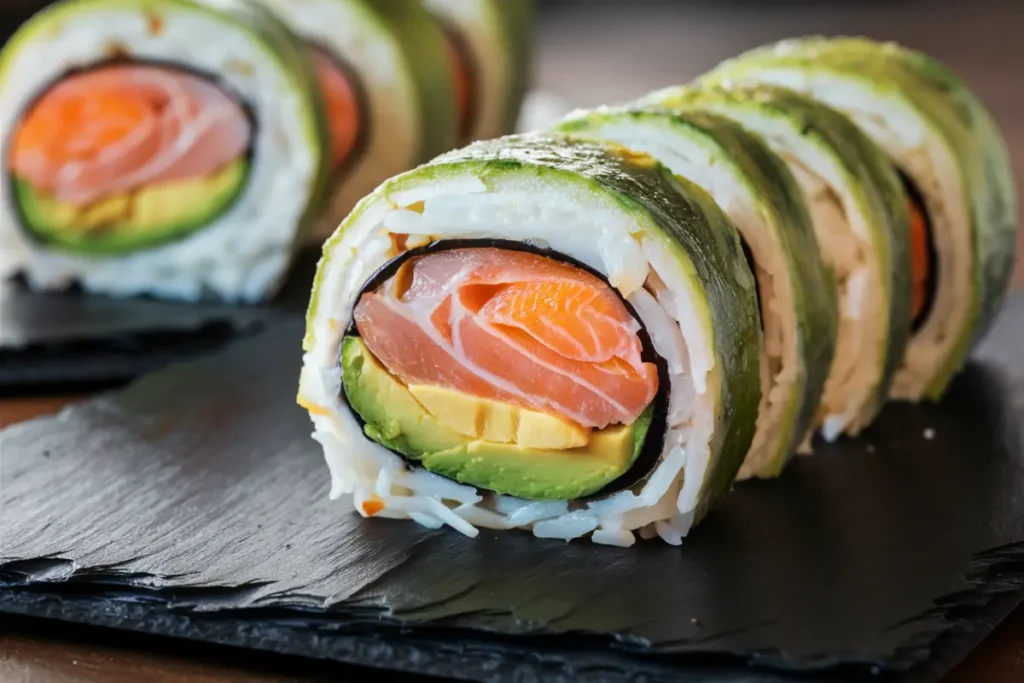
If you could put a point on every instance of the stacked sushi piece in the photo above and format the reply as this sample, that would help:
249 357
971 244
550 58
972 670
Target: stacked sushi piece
598 329
187 148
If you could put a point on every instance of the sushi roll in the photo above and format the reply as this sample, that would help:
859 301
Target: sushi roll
957 179
796 290
168 147
538 333
489 43
855 200
383 68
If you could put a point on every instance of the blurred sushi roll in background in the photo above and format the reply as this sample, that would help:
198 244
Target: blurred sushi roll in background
186 149
489 43
388 87
169 147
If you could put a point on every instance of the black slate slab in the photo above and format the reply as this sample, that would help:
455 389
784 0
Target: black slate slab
53 340
193 504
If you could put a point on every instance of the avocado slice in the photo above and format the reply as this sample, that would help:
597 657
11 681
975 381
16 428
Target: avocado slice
134 220
395 419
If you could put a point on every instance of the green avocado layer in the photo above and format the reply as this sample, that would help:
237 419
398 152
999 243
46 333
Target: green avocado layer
394 419
129 221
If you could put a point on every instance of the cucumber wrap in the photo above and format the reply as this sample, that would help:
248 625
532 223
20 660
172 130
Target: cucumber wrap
856 204
399 93
796 290
938 133
659 241
496 37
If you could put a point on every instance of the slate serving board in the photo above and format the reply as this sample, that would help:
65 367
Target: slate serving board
62 339
193 504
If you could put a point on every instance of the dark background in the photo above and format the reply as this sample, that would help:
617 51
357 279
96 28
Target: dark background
594 52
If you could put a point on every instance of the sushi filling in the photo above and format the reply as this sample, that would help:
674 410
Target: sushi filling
346 105
127 155
749 256
506 369
464 79
924 258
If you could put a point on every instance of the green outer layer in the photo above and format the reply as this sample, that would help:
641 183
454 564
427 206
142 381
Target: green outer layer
783 210
676 213
517 21
271 35
958 117
426 57
870 177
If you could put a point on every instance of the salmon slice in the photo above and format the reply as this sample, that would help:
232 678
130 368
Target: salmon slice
921 264
461 80
121 127
511 326
341 104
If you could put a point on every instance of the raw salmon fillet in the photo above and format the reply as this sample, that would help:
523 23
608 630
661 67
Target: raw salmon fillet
121 127
511 326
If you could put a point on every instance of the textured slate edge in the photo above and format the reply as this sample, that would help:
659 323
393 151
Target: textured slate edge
369 642
115 359
120 357
995 589
364 636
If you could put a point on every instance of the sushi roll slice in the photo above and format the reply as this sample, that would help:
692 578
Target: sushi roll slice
856 204
536 333
957 177
169 147
489 43
383 68
796 290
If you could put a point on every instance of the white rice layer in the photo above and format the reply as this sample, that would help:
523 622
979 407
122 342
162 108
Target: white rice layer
571 220
896 125
241 255
393 129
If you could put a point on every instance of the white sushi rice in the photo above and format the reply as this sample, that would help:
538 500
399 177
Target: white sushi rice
242 254
589 227
393 128
895 123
